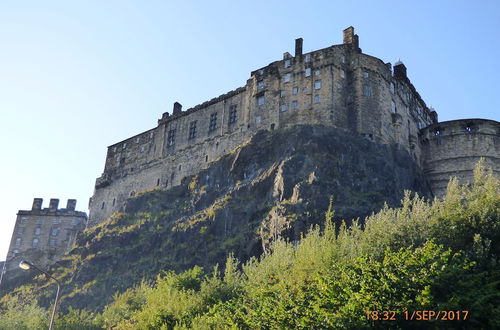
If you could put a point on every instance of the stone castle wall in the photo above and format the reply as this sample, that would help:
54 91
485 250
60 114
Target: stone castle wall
453 148
338 86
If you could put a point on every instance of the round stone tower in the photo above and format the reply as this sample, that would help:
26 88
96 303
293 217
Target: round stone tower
453 148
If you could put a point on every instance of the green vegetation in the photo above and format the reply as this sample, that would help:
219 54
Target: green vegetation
439 255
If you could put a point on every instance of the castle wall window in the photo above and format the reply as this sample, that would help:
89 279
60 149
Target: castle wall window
261 100
339 86
157 182
171 138
24 220
55 231
287 77
232 114
317 84
102 206
213 122
288 63
391 88
142 149
468 129
307 73
151 135
307 58
342 59
366 74
393 107
20 230
258 119
39 221
317 99
35 241
261 84
342 74
56 221
367 90
19 240
38 231
295 90
282 93
52 242
138 140
124 146
113 204
295 104
283 107
192 130
317 72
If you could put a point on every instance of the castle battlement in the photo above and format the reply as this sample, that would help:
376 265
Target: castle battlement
338 86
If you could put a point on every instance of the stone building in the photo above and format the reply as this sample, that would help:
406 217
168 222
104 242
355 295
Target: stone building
44 234
338 86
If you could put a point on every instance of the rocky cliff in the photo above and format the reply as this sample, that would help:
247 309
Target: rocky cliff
277 184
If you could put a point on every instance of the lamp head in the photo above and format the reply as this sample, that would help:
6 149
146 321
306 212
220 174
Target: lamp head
25 265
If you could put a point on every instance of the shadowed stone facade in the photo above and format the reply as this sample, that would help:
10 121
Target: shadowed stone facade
338 86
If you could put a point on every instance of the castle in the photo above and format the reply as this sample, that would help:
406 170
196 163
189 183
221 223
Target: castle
338 86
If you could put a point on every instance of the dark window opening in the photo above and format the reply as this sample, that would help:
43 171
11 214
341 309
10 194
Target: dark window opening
213 122
180 167
192 130
114 201
171 138
158 182
102 205
272 126
206 158
232 114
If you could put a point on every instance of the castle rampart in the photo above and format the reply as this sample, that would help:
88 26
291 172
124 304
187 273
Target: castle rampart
338 86
452 148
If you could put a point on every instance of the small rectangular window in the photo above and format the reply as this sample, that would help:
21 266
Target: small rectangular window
56 221
393 107
192 130
124 146
20 230
282 93
288 63
213 122
295 104
366 74
307 73
138 140
261 100
317 72
367 90
391 87
258 119
39 221
52 242
317 99
317 84
35 241
18 241
342 59
171 138
142 148
38 231
232 114
55 231
287 77
339 86
283 107
295 91
342 73
260 84
307 58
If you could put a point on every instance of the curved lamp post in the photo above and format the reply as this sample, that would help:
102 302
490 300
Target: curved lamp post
27 265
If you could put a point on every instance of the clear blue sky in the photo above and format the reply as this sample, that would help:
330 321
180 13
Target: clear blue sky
77 76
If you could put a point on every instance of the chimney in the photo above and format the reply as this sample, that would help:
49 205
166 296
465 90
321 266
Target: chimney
54 202
351 39
71 205
298 47
37 204
400 70
177 108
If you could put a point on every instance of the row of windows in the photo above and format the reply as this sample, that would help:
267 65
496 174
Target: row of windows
137 141
307 59
171 135
35 242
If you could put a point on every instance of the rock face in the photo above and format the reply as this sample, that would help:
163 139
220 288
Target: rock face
276 185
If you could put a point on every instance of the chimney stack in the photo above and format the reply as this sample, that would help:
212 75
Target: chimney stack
177 108
399 70
351 39
298 47
54 203
37 204
71 205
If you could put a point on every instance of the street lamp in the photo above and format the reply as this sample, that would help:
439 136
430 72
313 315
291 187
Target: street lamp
27 265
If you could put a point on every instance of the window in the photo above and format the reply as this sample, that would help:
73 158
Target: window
258 119
287 77
393 107
288 63
307 58
295 90
213 122
24 220
39 221
317 72
35 241
282 93
151 135
304 90
56 221
171 138
20 230
342 59
55 231
367 90
295 104
52 242
366 74
102 206
283 107
38 231
192 130
468 128
317 99
232 114
124 146
142 148
261 100
437 132
307 73
260 84
157 182
19 240
342 73
339 86
317 84
272 127
138 140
